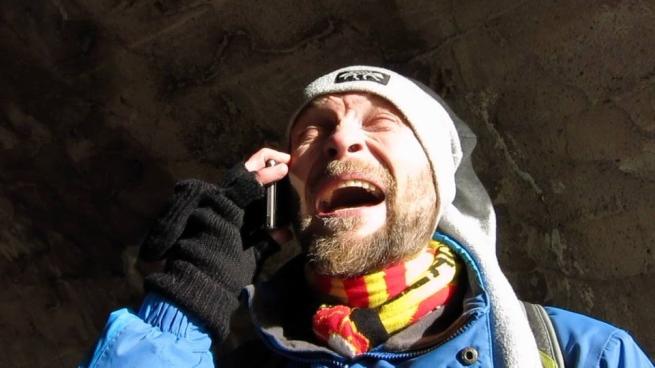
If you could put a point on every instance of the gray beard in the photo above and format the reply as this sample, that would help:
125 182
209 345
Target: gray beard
329 242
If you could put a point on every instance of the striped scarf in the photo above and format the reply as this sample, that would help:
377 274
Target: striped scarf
377 305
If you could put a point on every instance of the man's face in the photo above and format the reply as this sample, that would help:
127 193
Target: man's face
366 194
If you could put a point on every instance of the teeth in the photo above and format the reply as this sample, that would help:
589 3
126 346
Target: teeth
358 183
327 198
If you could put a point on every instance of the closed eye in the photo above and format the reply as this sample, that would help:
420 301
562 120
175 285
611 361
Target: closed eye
382 122
311 124
307 134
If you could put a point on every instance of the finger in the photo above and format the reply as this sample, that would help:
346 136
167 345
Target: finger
258 160
271 174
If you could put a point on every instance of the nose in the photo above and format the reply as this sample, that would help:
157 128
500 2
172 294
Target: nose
346 139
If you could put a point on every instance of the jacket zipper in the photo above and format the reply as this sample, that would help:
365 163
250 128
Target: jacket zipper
295 357
386 356
412 354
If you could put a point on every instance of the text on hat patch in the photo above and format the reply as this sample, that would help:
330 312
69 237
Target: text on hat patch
362 75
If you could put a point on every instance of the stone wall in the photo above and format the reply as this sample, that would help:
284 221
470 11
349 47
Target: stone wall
104 104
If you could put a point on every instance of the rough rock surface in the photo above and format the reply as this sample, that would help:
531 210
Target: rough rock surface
105 103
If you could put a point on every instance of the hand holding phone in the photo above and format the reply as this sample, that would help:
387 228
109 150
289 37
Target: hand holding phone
270 169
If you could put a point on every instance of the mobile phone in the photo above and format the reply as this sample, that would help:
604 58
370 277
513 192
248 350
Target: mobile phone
271 201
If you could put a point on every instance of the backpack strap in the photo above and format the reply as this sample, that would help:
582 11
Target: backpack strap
544 334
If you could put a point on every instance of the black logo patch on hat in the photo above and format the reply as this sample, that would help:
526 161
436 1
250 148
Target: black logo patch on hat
363 75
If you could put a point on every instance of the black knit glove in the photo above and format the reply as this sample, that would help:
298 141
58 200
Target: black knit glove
210 253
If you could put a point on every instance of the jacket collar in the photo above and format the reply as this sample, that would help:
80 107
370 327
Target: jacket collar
282 308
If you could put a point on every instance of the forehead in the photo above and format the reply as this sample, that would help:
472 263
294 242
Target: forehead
338 101
332 104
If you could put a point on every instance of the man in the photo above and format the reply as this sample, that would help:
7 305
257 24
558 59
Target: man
398 267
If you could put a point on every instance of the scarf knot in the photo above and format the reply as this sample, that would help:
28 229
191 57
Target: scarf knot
376 305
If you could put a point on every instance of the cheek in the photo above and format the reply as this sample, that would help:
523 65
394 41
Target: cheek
407 162
297 183
412 152
299 168
403 152
302 161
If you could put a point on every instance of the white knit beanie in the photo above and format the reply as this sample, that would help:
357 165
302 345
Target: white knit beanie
464 209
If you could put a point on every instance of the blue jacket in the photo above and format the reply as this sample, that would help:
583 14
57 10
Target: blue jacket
162 335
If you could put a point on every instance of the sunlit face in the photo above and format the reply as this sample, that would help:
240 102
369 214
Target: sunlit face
364 184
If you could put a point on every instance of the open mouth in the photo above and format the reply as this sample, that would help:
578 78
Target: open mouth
348 194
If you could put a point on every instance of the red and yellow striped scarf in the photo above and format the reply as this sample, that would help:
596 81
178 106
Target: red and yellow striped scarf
377 305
